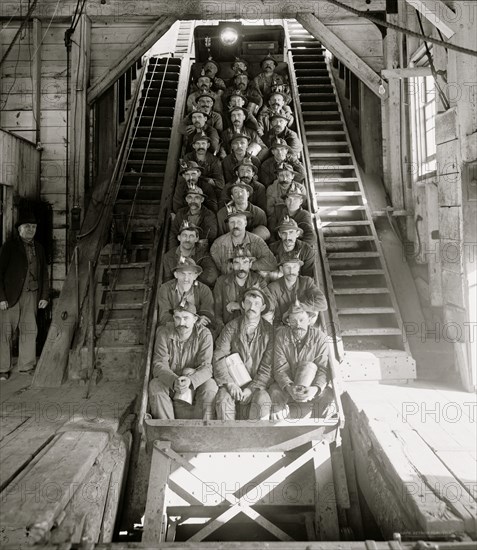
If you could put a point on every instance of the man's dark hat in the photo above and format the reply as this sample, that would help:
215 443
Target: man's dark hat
25 217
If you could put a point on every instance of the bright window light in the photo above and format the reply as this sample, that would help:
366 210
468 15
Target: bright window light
228 36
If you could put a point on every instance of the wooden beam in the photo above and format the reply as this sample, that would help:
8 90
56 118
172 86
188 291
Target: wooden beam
36 75
326 514
435 11
122 63
79 125
154 530
191 9
344 53
410 72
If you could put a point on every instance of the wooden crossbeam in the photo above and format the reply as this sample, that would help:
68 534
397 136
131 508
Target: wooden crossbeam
343 52
249 499
124 61
438 14
231 499
409 72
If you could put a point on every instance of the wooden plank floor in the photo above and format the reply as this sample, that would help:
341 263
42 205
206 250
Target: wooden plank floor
434 432
50 439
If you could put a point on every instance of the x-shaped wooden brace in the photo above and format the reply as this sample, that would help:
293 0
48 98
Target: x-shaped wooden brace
246 501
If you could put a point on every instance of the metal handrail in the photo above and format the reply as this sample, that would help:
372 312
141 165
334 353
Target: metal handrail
334 350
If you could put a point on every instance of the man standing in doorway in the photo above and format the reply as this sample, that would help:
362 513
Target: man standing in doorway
23 289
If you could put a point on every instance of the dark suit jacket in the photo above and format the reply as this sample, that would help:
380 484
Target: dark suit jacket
13 271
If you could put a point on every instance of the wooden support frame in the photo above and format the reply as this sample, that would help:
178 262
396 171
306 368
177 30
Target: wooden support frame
79 112
410 72
122 63
343 52
438 14
36 76
244 499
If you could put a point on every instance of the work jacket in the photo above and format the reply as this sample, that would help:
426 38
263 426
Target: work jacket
289 136
200 256
283 297
171 356
14 270
223 248
168 299
268 169
256 356
226 290
287 356
258 218
207 222
304 252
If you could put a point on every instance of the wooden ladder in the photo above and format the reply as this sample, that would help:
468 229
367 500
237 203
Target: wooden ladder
366 307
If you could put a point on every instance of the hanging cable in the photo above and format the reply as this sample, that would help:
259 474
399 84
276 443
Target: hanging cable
397 28
19 31
435 73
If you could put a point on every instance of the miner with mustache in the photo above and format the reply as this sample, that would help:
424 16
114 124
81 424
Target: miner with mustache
251 337
195 123
276 104
229 289
266 81
195 213
300 348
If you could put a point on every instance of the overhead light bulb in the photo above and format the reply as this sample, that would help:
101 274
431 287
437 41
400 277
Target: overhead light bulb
228 36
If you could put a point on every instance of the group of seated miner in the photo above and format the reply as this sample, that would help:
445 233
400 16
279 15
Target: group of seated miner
237 333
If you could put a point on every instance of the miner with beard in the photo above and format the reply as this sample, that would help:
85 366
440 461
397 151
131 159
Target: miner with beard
182 360
195 213
246 171
277 192
256 146
189 247
301 352
190 175
195 124
229 289
290 286
251 337
223 247
279 129
281 153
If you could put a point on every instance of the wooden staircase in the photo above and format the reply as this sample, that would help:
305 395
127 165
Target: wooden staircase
126 269
368 316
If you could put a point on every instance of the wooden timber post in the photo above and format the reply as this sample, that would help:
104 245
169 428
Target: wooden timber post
392 121
78 130
36 77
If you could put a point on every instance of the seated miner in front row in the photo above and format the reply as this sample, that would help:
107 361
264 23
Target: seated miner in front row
185 286
300 368
182 385
243 362
191 247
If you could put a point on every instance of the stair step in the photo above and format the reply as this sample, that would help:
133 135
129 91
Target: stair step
338 193
130 265
365 310
150 150
140 161
123 287
349 239
350 207
336 167
325 132
323 122
327 155
350 255
374 290
353 272
120 306
345 224
327 179
382 331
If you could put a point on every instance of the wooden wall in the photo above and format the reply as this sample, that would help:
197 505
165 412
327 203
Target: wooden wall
19 173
